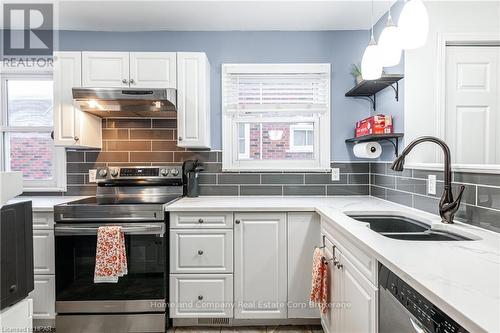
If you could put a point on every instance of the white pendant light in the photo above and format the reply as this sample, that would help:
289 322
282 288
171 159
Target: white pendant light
389 44
413 25
371 67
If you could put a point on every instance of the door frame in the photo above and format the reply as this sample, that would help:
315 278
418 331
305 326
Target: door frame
443 41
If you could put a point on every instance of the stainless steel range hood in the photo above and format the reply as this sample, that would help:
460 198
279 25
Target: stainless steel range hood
127 102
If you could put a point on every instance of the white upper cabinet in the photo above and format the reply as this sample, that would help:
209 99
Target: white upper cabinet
193 100
105 69
260 266
72 127
129 69
153 70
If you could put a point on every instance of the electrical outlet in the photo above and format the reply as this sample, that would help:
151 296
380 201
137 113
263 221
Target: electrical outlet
335 174
431 184
92 175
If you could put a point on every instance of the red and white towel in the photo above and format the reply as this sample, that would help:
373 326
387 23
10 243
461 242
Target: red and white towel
320 280
111 258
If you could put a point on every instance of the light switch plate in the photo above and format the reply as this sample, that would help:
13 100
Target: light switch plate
431 184
92 175
335 174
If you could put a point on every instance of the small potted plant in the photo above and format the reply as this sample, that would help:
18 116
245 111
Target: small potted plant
356 73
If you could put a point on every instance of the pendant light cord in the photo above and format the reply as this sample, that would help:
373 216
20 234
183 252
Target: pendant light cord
371 22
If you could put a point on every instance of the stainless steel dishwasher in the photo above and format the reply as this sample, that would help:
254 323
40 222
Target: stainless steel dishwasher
402 309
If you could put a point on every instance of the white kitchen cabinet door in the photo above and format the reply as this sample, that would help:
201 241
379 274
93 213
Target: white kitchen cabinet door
44 297
330 319
105 69
201 251
201 295
72 127
303 234
193 100
43 251
153 70
260 261
18 317
361 295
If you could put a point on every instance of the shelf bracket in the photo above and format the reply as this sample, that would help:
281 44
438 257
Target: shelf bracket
394 143
372 99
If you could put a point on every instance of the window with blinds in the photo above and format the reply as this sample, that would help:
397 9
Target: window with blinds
274 114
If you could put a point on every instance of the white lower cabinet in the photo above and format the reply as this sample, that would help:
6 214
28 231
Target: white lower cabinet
43 251
260 273
353 297
201 295
18 317
44 300
304 231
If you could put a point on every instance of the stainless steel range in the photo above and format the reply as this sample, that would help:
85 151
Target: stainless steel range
134 198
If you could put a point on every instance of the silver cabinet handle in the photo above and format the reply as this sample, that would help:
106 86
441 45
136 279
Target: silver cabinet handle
132 81
200 252
124 81
200 297
200 221
76 138
237 221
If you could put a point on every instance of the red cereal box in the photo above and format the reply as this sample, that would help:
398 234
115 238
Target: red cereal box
379 124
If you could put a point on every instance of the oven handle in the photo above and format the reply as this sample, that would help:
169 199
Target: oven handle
143 229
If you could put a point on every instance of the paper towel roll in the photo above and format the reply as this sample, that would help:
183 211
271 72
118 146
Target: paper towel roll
367 149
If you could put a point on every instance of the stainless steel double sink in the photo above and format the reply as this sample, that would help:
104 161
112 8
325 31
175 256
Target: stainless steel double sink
404 228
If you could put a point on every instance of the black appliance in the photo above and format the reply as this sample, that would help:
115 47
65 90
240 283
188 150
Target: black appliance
403 309
16 233
191 170
134 198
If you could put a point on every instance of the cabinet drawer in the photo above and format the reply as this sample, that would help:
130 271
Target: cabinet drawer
363 262
201 220
43 251
43 220
201 295
196 251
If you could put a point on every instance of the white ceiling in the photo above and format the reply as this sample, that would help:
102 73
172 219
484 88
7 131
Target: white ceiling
209 15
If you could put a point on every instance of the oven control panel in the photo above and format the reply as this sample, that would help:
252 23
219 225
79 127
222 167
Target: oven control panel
147 172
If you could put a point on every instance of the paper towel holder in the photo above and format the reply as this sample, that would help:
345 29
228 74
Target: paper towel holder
392 138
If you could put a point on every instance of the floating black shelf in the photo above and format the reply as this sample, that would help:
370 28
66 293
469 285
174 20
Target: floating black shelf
369 88
393 138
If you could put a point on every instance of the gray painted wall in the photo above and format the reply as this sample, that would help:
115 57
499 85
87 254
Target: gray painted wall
340 48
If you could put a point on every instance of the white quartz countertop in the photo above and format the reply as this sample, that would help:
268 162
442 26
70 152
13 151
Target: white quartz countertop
462 278
45 203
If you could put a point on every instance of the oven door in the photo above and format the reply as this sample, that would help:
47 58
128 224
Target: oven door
142 289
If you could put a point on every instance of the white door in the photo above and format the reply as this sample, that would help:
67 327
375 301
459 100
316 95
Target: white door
153 70
43 251
260 260
360 297
193 100
303 234
67 74
44 297
105 69
472 104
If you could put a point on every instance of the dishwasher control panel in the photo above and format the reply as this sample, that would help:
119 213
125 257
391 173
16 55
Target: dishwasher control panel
431 317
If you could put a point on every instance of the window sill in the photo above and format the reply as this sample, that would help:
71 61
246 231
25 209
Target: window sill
281 170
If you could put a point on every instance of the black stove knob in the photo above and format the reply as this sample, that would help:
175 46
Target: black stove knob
174 172
114 172
164 172
103 172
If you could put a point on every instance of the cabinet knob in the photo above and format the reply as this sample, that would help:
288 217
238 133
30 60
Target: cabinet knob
237 221
52 135
76 138
132 81
200 297
125 81
200 252
180 138
13 288
200 220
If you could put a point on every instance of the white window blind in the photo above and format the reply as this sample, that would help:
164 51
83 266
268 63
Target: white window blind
271 101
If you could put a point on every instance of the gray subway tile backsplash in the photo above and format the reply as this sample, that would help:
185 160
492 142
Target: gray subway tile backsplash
282 178
304 190
261 190
348 189
324 178
239 178
480 203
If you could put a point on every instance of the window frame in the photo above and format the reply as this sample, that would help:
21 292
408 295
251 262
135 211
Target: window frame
58 183
300 148
320 120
